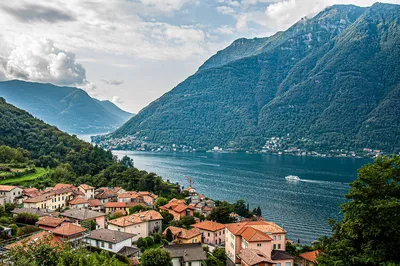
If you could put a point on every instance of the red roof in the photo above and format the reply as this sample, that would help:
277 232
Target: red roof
50 221
78 200
69 229
95 203
41 237
209 226
310 256
253 235
115 205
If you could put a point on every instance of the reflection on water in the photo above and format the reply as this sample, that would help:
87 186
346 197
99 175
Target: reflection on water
303 207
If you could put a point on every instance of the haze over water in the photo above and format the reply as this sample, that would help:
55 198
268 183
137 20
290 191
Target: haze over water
303 207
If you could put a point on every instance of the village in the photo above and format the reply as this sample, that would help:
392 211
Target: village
127 223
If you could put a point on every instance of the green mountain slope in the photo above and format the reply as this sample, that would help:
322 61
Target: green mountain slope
70 109
327 82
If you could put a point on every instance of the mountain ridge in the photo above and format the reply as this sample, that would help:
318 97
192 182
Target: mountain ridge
316 84
71 109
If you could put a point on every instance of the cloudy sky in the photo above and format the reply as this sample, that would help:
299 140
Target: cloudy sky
133 51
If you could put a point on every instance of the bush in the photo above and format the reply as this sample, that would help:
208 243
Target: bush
29 229
14 229
6 220
141 243
157 238
26 218
149 241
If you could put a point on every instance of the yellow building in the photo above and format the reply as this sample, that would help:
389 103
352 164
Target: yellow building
184 236
52 200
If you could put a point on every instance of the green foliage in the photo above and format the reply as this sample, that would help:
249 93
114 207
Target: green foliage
26 218
116 215
141 243
220 254
91 225
156 257
169 236
149 240
157 238
217 258
29 229
221 214
368 233
160 202
11 155
167 219
241 208
138 208
186 221
322 89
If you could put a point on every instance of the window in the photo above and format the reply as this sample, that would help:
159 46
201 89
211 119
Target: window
288 264
279 246
110 245
274 237
279 237
274 246
208 234
102 244
278 264
258 244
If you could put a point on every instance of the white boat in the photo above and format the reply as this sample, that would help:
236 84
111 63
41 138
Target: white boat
292 178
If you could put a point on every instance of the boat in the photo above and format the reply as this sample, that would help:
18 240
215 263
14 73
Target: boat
292 178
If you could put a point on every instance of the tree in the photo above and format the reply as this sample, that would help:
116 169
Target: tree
220 254
167 219
149 241
241 208
368 233
91 225
160 202
169 236
138 208
156 257
157 238
127 161
26 218
186 221
141 243
221 214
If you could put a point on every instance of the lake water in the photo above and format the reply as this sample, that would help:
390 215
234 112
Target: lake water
303 207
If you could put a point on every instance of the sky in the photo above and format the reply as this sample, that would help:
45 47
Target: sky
133 51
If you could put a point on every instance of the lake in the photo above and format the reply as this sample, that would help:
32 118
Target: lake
302 207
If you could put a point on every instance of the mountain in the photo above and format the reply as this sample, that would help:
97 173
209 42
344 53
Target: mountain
328 82
70 109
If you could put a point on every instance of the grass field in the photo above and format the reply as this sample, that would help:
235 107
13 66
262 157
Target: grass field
25 178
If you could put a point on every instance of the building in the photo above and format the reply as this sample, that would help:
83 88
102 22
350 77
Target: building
113 241
53 200
87 190
49 223
254 257
37 212
11 193
178 209
77 216
71 233
78 203
140 224
184 236
95 205
308 258
213 233
265 237
106 196
38 238
111 207
187 255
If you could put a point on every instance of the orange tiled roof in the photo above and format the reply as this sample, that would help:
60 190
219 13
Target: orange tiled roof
123 212
6 188
78 200
254 257
310 256
69 229
50 221
41 237
183 233
59 186
209 226
136 218
95 203
115 205
86 187
263 226
254 235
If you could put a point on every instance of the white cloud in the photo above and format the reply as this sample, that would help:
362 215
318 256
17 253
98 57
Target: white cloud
113 82
41 61
166 5
117 100
226 10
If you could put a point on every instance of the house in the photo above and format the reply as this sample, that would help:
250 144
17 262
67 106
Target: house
78 203
178 209
49 223
78 216
266 237
30 192
87 190
3 200
52 200
60 186
111 207
308 258
71 233
184 236
37 239
141 224
11 193
95 205
148 197
130 196
254 257
213 233
113 241
188 255
106 196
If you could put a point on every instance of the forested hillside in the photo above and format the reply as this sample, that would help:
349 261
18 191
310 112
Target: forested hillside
329 82
70 109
